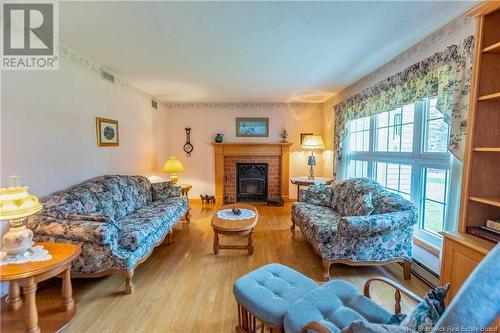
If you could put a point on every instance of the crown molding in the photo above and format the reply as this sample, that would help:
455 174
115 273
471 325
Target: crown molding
240 105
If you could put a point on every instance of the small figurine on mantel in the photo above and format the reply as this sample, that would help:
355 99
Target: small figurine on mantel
284 135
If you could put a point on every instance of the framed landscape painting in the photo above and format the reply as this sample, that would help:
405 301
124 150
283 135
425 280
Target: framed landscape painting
252 127
107 132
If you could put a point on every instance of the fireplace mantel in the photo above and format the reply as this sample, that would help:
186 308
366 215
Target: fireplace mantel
224 149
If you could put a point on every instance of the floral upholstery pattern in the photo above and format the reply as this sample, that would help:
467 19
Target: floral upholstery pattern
362 205
384 235
165 190
134 223
318 194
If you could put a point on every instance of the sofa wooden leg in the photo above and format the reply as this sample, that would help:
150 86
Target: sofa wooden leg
168 238
187 216
129 286
326 270
292 227
407 269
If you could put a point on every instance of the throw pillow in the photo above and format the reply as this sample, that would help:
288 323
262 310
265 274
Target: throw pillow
361 206
427 313
318 194
165 190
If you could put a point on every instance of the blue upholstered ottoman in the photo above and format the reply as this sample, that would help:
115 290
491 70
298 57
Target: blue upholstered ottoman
336 305
266 293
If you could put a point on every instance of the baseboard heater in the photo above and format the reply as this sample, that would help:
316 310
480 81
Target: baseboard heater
425 274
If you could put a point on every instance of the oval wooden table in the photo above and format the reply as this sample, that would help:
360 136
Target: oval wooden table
234 228
52 317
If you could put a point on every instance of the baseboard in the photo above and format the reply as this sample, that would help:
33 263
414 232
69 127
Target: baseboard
424 274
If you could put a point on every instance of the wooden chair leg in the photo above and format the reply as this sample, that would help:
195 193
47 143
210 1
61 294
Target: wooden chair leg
129 286
407 269
326 270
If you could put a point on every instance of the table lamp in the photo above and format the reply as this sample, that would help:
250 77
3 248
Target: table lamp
312 143
15 205
173 166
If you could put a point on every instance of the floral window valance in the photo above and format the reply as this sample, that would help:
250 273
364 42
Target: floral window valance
446 74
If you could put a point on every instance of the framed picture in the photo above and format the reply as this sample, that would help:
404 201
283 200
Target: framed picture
107 132
252 127
302 135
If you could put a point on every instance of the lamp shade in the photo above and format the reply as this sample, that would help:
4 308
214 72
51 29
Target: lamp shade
173 165
313 142
17 203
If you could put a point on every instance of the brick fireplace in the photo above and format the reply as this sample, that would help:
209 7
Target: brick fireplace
274 155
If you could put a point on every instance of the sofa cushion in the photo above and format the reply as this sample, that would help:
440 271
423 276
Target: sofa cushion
268 291
318 194
336 305
136 227
347 192
316 222
362 205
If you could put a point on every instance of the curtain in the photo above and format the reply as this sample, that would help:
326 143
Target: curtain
446 74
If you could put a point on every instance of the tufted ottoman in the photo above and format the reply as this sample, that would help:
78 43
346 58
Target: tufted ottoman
265 294
336 305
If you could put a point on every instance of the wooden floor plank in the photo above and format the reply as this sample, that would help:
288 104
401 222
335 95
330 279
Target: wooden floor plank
183 287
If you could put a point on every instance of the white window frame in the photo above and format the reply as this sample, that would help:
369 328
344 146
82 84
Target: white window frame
418 159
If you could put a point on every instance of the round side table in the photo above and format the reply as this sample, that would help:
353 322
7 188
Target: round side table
305 181
26 276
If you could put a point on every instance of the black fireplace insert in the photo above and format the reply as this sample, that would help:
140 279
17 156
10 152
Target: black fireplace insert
251 181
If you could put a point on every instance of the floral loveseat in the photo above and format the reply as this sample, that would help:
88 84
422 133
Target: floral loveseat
117 220
357 222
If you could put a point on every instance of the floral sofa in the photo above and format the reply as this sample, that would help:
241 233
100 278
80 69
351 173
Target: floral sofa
117 220
356 222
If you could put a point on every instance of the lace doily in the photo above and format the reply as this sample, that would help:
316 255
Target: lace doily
36 253
227 214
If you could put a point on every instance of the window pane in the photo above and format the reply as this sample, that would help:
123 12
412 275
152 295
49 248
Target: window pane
394 138
394 130
407 138
382 119
434 203
437 136
433 216
436 130
358 168
382 134
395 177
359 136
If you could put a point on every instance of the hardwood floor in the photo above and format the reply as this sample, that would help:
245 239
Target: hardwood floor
183 287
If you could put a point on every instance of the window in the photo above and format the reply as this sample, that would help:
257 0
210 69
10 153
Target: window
434 199
406 151
358 169
395 177
360 134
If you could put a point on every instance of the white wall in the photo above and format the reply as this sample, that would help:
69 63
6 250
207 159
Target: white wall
48 128
208 120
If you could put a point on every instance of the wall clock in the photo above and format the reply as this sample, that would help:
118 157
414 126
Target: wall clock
188 147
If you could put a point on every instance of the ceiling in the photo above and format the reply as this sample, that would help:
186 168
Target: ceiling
244 52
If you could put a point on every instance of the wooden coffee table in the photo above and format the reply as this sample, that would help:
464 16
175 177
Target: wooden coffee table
54 316
234 228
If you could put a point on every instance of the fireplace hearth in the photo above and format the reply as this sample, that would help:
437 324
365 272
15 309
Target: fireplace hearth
251 181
